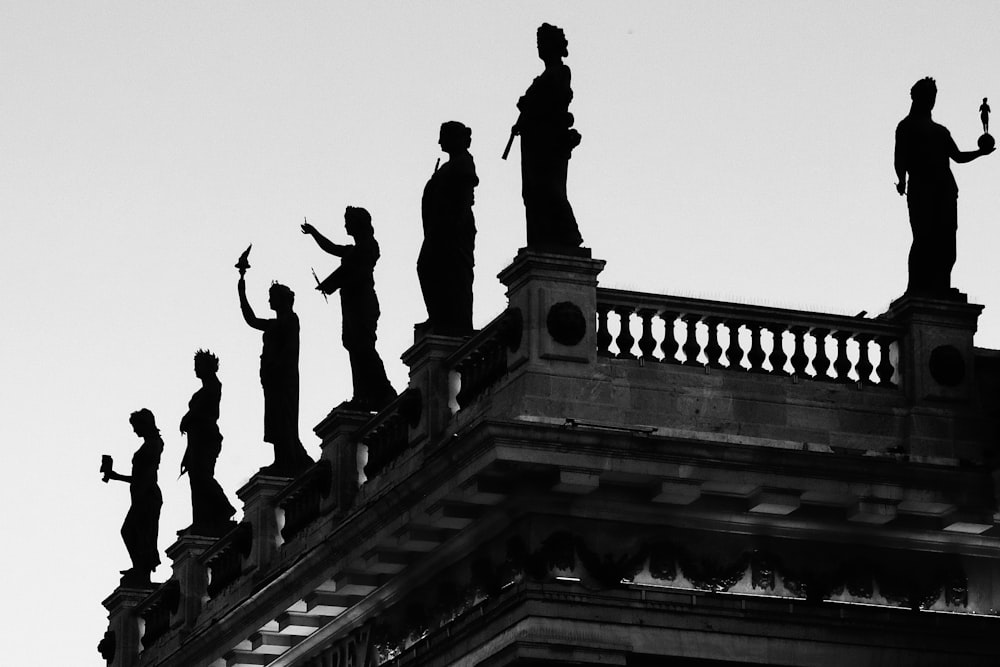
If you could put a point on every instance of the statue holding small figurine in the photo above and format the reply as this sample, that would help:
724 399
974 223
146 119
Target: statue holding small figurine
140 529
446 262
545 126
279 375
359 307
923 153
211 512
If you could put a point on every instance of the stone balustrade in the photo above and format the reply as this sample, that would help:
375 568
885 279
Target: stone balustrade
225 559
482 360
301 500
387 434
157 610
756 339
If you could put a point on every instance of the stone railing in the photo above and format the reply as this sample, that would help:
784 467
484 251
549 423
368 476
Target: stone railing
225 559
482 360
387 434
756 339
157 610
301 500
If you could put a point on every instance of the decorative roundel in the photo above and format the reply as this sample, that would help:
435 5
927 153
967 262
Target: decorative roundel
566 323
947 366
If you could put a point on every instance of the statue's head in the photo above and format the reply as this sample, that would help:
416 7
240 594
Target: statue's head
280 297
455 136
551 42
923 93
205 363
358 222
143 423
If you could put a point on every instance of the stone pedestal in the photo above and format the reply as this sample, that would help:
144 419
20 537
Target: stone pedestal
340 448
123 625
192 576
259 510
937 367
557 298
430 377
936 350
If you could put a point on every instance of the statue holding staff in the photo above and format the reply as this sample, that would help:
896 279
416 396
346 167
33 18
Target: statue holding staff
211 512
359 307
446 262
279 375
141 526
545 126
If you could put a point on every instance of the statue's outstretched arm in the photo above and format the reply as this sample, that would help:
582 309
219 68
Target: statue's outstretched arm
961 157
325 244
245 308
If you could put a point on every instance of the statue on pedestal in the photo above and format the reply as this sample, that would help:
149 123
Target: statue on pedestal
446 261
141 526
545 126
923 152
279 376
211 512
359 307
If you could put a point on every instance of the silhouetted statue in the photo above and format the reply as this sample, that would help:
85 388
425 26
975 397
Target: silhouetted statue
547 139
359 307
923 151
210 509
279 376
446 261
984 115
141 525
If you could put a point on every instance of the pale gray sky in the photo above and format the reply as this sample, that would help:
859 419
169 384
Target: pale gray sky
731 150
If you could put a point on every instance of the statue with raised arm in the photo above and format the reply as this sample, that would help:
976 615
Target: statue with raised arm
279 375
923 155
141 526
359 307
446 261
545 126
211 512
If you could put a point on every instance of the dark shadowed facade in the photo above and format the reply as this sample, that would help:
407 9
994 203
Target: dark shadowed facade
560 490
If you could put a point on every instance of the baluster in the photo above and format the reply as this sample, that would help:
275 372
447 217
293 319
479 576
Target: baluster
647 343
669 345
756 354
800 360
734 351
821 362
625 339
864 366
842 366
778 356
713 351
691 347
603 334
885 368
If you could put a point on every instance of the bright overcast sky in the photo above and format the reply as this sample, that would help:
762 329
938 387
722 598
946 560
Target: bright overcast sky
731 150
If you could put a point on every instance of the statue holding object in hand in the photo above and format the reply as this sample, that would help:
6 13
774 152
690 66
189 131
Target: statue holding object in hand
279 375
359 307
141 526
446 262
545 126
923 154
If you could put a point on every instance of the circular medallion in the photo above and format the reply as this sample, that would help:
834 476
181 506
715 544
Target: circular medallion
566 323
947 366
